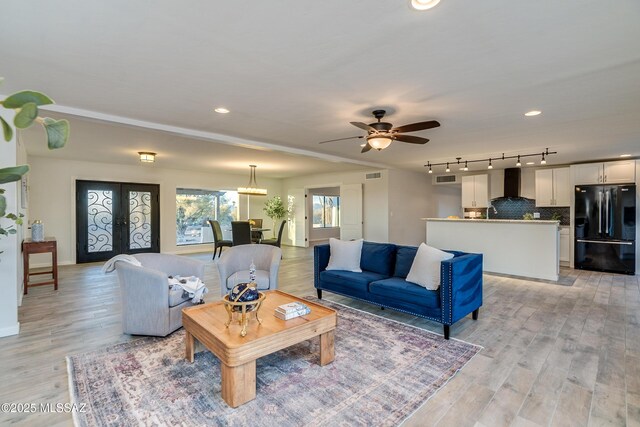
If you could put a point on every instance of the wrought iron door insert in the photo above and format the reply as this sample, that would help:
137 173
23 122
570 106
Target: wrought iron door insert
114 218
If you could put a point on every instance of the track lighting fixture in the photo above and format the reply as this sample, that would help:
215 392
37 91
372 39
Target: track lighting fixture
546 153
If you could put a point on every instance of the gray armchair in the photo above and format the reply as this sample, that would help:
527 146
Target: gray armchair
148 306
233 266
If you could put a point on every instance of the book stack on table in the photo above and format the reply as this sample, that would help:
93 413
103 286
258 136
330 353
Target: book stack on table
291 310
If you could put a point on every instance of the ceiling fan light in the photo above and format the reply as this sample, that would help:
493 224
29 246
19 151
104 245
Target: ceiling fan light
424 4
379 142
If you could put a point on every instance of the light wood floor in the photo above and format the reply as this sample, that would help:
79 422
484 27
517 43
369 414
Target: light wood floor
553 355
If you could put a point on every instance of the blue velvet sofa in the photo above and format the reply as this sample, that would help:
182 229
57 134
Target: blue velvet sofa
382 282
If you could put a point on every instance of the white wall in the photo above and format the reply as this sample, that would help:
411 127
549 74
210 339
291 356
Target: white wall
410 199
52 197
392 204
375 213
10 259
446 200
375 197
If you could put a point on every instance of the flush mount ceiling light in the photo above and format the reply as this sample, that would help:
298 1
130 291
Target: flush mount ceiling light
533 113
252 189
147 156
221 110
625 155
424 4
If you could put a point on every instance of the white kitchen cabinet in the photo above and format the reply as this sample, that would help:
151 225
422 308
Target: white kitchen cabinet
620 172
623 172
475 191
553 187
565 244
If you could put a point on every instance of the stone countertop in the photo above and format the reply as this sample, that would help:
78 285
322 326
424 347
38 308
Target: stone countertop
507 221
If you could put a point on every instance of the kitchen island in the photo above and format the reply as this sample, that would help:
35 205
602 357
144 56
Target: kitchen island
516 247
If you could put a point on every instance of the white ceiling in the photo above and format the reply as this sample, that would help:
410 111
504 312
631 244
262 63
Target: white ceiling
294 73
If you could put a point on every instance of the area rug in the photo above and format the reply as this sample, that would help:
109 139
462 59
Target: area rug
383 371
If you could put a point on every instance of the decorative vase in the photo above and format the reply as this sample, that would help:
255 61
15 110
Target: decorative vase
37 231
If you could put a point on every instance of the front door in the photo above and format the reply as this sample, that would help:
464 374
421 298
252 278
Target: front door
116 218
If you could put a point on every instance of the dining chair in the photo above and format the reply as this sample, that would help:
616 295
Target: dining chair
256 236
241 233
276 242
218 240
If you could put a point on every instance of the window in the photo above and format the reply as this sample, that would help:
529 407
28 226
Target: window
194 209
326 211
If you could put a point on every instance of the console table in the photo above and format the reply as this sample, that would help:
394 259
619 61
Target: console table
30 247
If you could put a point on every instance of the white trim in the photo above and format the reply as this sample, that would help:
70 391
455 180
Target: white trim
204 135
10 330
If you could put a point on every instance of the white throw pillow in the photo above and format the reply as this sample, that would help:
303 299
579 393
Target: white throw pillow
345 255
425 270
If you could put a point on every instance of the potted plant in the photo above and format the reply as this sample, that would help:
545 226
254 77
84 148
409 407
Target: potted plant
25 105
275 209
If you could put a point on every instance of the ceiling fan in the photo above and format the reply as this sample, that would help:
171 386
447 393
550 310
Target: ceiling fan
380 134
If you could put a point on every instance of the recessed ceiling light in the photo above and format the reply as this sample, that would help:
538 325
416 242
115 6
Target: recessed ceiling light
424 4
531 163
625 155
533 113
221 110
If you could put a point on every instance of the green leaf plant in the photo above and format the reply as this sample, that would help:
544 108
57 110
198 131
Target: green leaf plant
25 105
275 209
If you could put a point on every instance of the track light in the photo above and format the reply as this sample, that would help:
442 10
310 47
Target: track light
465 166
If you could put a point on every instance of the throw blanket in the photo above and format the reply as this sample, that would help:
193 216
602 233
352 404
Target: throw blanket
110 265
191 285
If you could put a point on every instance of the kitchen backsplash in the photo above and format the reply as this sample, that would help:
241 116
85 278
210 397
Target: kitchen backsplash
516 208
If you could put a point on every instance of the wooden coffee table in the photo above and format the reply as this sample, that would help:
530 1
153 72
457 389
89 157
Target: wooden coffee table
238 355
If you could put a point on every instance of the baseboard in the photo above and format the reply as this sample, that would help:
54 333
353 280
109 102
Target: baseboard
10 330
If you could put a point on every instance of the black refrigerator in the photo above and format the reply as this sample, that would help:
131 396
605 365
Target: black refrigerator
605 228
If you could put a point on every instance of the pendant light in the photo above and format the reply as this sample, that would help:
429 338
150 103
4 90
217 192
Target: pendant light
252 189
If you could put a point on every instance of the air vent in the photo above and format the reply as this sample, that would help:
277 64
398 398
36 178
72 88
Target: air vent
374 175
446 179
